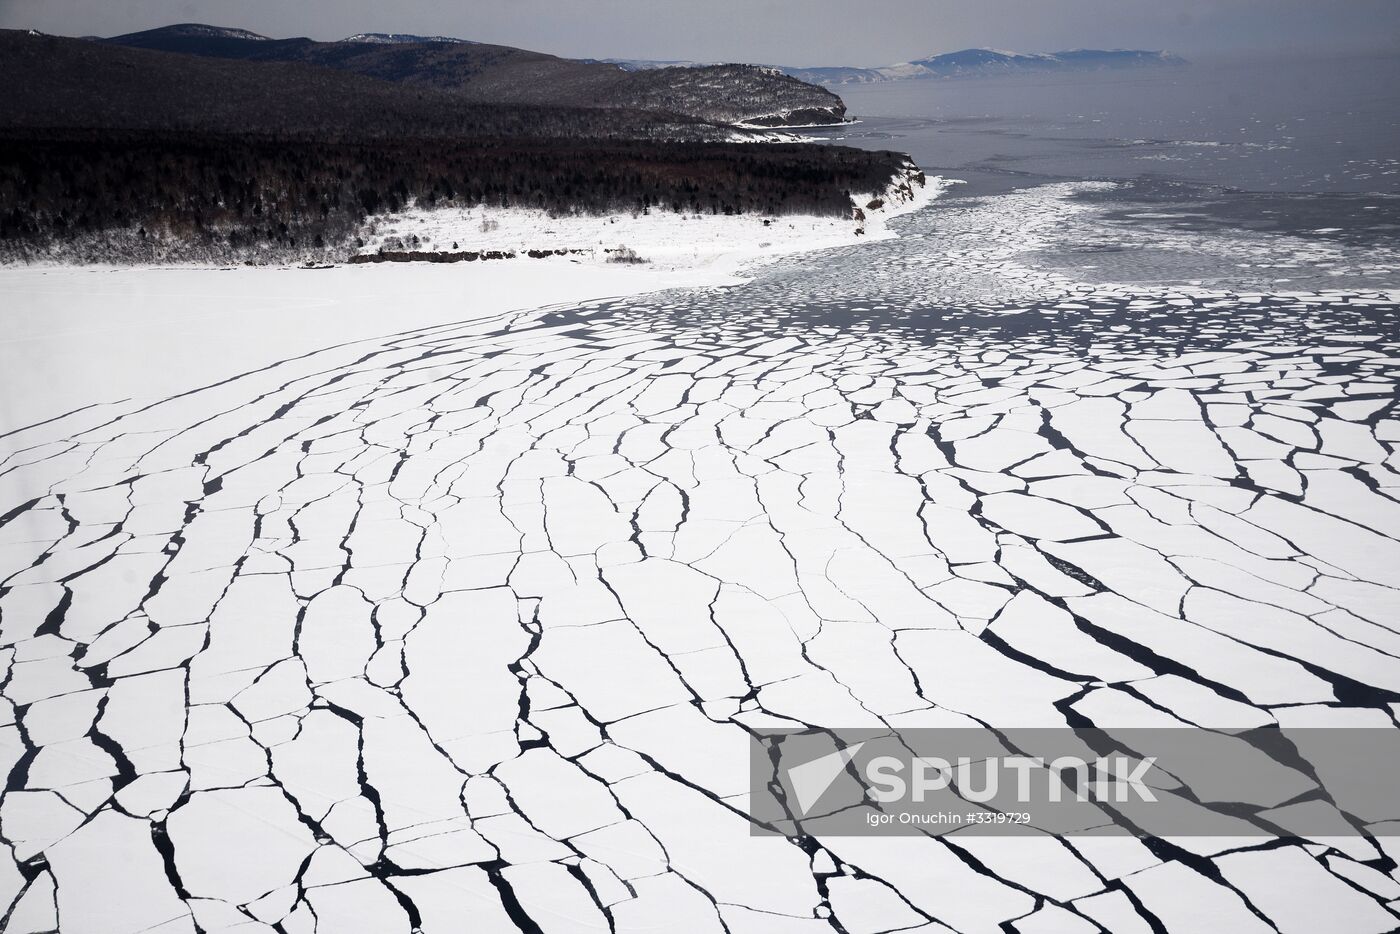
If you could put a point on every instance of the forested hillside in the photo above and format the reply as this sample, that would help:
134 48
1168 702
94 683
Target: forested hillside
113 153
142 196
51 81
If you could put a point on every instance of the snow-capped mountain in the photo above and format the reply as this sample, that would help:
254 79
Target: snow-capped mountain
976 63
402 38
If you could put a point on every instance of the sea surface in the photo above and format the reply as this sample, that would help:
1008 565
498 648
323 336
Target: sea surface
1307 147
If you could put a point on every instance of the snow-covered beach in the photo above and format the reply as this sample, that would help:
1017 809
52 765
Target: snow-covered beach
666 239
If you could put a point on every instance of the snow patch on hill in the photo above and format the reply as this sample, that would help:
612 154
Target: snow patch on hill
402 38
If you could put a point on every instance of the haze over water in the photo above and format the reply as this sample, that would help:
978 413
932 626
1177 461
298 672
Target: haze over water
1308 147
1314 125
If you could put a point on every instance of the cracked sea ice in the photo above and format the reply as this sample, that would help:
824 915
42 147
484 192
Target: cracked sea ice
467 633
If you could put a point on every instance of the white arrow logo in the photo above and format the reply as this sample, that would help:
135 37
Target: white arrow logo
811 779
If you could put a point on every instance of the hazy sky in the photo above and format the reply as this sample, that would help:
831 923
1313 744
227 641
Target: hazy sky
788 32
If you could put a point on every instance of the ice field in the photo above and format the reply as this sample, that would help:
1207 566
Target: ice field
465 628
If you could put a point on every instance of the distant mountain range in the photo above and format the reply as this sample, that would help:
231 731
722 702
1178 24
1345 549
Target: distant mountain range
983 63
52 83
968 63
501 75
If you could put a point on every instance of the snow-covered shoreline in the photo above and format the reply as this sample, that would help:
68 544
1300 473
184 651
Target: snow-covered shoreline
146 332
663 239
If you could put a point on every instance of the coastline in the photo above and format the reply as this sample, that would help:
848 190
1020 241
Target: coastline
138 333
665 240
